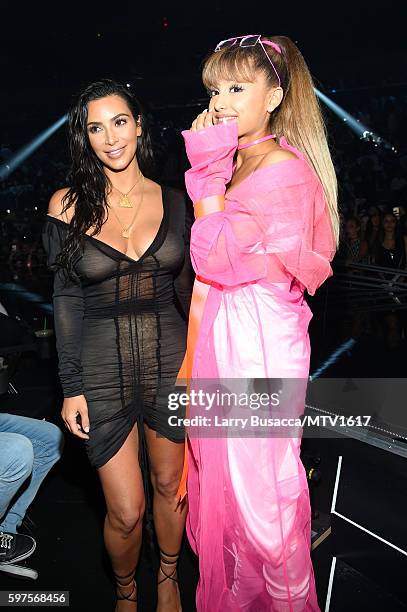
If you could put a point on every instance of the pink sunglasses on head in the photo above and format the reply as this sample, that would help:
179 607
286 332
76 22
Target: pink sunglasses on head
250 40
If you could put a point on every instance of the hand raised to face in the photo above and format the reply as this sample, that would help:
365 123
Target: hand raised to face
204 119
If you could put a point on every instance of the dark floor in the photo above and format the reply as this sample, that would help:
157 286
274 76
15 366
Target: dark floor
69 510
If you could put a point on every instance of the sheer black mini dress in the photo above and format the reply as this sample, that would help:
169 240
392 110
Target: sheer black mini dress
121 328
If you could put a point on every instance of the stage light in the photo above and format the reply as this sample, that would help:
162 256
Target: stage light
333 358
27 296
8 211
8 167
355 124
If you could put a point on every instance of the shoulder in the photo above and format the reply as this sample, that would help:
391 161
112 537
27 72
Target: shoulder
151 187
175 197
56 206
174 192
276 156
172 195
283 169
285 166
179 206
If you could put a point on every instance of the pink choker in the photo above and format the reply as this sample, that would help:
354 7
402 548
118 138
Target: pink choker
254 142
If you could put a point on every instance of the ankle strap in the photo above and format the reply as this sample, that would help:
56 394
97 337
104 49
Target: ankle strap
163 561
121 578
132 596
167 555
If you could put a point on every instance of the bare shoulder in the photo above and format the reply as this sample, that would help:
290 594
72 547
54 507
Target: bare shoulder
276 156
151 187
55 206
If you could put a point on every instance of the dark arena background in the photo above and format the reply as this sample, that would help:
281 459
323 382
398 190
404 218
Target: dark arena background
357 481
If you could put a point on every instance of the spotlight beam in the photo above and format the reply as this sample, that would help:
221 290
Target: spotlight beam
361 130
333 358
8 167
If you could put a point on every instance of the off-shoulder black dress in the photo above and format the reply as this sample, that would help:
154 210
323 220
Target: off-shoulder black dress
121 330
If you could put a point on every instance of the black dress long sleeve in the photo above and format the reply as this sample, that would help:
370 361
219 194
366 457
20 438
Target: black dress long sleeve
183 281
68 315
121 330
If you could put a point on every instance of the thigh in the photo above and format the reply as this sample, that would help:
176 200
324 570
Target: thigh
16 452
46 438
37 429
121 477
14 423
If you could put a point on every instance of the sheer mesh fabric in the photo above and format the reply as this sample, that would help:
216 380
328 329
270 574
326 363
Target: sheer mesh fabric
121 329
249 512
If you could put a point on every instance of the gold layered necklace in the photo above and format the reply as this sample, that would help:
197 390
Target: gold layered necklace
126 230
124 201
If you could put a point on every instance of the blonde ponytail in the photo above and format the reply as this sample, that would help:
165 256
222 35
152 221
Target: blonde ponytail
299 119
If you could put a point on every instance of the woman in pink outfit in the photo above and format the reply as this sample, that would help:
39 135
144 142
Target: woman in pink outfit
264 191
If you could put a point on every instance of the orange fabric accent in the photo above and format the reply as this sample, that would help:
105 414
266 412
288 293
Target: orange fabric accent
199 295
209 205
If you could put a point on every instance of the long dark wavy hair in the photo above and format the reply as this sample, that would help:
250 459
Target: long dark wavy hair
88 183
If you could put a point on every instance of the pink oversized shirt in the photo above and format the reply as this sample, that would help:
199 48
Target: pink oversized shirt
249 514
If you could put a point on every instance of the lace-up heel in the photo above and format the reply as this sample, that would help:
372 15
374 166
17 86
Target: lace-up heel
120 584
169 570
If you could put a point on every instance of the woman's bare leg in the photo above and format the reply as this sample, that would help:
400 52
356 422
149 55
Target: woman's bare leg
122 485
166 462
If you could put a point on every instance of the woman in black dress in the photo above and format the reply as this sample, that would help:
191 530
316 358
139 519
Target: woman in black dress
119 245
391 251
391 254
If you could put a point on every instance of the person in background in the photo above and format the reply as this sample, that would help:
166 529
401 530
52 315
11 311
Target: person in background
403 230
372 231
354 249
28 450
391 249
391 253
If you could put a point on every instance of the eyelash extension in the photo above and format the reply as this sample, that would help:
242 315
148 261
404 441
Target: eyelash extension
211 92
93 128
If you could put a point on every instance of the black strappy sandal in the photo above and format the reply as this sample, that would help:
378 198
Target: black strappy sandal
132 596
171 575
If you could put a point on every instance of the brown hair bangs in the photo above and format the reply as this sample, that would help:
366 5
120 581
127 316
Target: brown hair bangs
233 63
